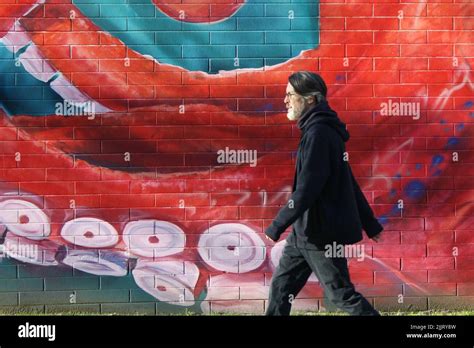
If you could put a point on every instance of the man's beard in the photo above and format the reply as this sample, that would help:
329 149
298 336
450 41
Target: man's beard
294 114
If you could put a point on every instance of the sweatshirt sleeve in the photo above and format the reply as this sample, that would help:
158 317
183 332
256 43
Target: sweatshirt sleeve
311 179
369 223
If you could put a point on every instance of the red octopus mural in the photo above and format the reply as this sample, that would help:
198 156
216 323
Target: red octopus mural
113 116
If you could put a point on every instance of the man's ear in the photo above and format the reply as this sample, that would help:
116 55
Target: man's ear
319 97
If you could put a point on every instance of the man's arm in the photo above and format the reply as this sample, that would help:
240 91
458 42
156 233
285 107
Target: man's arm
369 223
313 175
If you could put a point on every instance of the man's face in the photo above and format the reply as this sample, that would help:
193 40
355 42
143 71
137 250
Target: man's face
295 103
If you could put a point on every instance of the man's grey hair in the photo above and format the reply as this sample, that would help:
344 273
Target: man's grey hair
309 84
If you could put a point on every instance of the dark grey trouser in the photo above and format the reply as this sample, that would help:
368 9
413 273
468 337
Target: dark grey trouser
295 267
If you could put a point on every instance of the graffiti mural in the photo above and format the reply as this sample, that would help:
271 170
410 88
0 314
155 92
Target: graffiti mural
145 147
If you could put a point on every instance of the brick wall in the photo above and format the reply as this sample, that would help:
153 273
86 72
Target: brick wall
113 197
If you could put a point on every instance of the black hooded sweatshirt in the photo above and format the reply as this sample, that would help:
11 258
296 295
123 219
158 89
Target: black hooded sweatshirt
327 205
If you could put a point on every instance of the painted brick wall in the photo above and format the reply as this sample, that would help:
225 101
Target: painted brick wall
113 197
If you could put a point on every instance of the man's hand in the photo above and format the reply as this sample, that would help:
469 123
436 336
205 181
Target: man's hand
269 238
377 237
269 231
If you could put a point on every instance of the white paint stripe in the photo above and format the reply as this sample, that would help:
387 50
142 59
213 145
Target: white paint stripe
34 62
72 94
16 38
38 67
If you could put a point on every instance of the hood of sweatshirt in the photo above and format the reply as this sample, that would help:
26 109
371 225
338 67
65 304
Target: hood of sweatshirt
323 114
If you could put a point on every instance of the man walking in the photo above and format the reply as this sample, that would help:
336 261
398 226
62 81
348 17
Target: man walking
327 205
